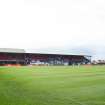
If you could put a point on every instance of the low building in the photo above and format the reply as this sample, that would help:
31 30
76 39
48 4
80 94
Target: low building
20 56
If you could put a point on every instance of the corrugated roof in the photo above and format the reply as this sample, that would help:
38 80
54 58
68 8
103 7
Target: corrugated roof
12 50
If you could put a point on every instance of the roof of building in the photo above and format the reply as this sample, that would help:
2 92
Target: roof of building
12 50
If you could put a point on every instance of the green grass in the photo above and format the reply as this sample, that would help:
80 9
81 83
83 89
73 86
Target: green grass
52 85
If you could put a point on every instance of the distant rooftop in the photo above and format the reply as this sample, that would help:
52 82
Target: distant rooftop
12 50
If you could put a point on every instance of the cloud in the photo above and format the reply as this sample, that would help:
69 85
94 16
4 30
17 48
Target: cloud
52 24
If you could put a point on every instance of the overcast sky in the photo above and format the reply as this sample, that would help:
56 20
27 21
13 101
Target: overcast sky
38 24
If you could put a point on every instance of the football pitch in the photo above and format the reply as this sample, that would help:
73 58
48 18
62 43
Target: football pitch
62 85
